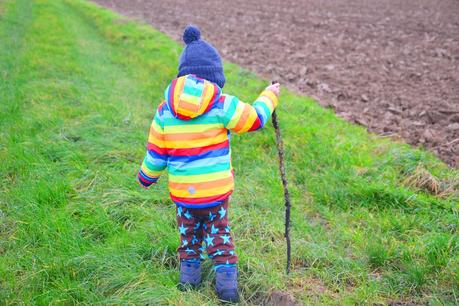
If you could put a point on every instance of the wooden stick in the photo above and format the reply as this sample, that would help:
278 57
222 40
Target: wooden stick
280 150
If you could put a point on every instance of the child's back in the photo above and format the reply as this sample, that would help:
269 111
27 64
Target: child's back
190 136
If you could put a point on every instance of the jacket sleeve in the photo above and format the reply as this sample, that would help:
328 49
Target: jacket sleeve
241 117
155 160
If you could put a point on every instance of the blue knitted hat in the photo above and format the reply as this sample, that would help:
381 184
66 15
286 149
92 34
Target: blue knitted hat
200 58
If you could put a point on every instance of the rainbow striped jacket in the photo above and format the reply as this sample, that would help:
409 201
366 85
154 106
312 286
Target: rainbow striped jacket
190 136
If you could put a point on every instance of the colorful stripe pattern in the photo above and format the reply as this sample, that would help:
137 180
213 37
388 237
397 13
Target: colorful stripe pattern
190 136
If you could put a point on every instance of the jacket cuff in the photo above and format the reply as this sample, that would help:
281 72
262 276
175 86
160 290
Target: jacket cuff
144 180
271 96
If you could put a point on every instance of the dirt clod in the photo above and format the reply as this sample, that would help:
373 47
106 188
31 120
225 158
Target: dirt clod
282 298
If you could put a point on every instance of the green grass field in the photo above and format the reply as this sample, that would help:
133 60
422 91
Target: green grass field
373 220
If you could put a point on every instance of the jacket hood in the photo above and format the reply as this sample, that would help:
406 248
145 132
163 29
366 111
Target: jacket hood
189 96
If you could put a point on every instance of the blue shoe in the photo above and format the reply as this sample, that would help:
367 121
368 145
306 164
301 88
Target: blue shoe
190 273
226 284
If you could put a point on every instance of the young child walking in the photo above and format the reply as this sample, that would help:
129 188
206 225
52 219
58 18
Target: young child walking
190 137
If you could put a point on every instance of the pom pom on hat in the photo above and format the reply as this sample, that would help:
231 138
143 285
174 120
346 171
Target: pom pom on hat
191 34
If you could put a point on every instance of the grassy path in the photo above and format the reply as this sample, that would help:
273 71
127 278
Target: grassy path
78 88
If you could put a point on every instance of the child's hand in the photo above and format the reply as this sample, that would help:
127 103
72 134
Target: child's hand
275 88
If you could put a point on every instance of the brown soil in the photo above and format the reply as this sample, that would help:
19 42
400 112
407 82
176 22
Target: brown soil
392 66
282 298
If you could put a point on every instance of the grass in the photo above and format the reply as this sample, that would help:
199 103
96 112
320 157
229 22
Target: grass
373 220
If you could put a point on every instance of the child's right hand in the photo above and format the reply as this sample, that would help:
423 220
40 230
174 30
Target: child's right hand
275 88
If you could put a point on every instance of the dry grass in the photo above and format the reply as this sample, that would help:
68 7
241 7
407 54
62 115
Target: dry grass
422 179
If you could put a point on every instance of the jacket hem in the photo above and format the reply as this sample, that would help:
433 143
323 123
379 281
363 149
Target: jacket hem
201 205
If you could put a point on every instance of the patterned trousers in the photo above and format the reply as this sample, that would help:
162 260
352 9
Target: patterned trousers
205 229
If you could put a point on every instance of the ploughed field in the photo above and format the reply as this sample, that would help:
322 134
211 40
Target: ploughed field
391 66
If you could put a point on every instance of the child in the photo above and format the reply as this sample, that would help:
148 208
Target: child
190 136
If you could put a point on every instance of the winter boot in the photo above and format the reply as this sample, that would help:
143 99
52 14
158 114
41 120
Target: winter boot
190 274
226 284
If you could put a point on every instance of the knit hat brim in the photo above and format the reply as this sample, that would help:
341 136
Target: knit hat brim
213 74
